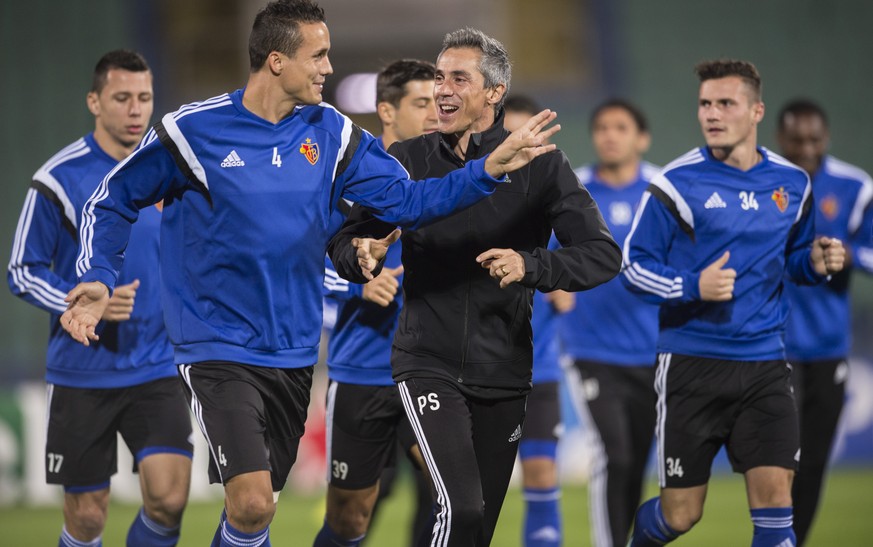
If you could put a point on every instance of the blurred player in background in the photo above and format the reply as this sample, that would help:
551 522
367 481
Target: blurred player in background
611 334
715 234
817 338
126 383
365 416
542 426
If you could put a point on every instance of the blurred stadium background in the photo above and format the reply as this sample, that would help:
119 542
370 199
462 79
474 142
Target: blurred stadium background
568 54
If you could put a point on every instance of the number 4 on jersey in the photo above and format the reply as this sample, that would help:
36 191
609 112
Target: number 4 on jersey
277 159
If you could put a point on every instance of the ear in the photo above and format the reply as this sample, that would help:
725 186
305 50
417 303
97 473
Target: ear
386 113
758 111
643 143
495 94
275 62
92 99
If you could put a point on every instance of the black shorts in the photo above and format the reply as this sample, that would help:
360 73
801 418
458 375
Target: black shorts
364 423
83 426
543 415
747 406
252 417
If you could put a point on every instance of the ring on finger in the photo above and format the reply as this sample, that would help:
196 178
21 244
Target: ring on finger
503 269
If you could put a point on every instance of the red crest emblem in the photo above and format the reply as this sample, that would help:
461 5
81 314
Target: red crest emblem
309 150
829 207
780 197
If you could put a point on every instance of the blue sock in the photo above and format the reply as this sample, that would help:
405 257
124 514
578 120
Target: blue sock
650 527
773 527
231 537
69 541
216 539
542 520
144 532
328 538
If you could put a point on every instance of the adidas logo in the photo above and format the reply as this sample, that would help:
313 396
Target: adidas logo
715 202
516 435
233 160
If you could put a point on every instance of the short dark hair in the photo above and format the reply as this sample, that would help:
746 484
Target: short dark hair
277 28
522 103
801 107
722 68
123 59
494 64
392 80
635 112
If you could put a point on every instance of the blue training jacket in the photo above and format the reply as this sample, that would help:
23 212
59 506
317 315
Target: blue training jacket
544 323
819 321
42 271
247 220
609 324
696 209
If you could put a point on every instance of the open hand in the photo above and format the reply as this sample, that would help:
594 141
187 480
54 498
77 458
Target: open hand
523 145
86 304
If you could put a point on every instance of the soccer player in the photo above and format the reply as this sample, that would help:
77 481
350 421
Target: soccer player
365 417
462 352
817 338
250 180
126 383
611 334
538 446
715 233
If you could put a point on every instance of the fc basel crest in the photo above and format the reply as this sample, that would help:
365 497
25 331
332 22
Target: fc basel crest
309 150
780 196
829 207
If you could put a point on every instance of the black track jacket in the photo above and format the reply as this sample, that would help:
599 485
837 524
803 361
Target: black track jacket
456 322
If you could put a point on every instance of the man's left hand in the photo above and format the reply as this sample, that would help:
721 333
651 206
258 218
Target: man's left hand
505 265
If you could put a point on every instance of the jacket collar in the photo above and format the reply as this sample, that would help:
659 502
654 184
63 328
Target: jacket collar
481 144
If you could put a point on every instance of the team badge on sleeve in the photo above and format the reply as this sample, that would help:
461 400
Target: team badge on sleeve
780 197
309 150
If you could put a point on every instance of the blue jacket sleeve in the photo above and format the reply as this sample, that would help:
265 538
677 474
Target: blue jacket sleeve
30 275
644 267
143 179
797 252
337 288
861 242
377 181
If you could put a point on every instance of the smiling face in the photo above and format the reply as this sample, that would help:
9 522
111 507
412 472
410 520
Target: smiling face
302 76
122 110
728 112
464 104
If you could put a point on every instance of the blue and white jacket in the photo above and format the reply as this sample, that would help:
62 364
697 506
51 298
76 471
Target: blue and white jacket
247 220
609 324
42 270
818 323
696 209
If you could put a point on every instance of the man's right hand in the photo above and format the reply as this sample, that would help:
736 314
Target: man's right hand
86 304
716 282
370 252
121 302
383 288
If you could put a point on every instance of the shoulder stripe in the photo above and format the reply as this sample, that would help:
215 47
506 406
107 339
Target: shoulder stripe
779 160
863 199
180 150
72 151
48 185
689 158
805 201
661 187
25 281
208 104
649 170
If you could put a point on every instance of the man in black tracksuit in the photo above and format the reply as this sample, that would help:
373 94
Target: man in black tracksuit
462 352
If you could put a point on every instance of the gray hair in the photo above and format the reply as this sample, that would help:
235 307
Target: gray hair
494 65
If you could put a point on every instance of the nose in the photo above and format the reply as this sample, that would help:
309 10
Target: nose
328 68
135 107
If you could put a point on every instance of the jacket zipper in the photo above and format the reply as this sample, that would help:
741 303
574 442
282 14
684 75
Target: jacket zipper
466 309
